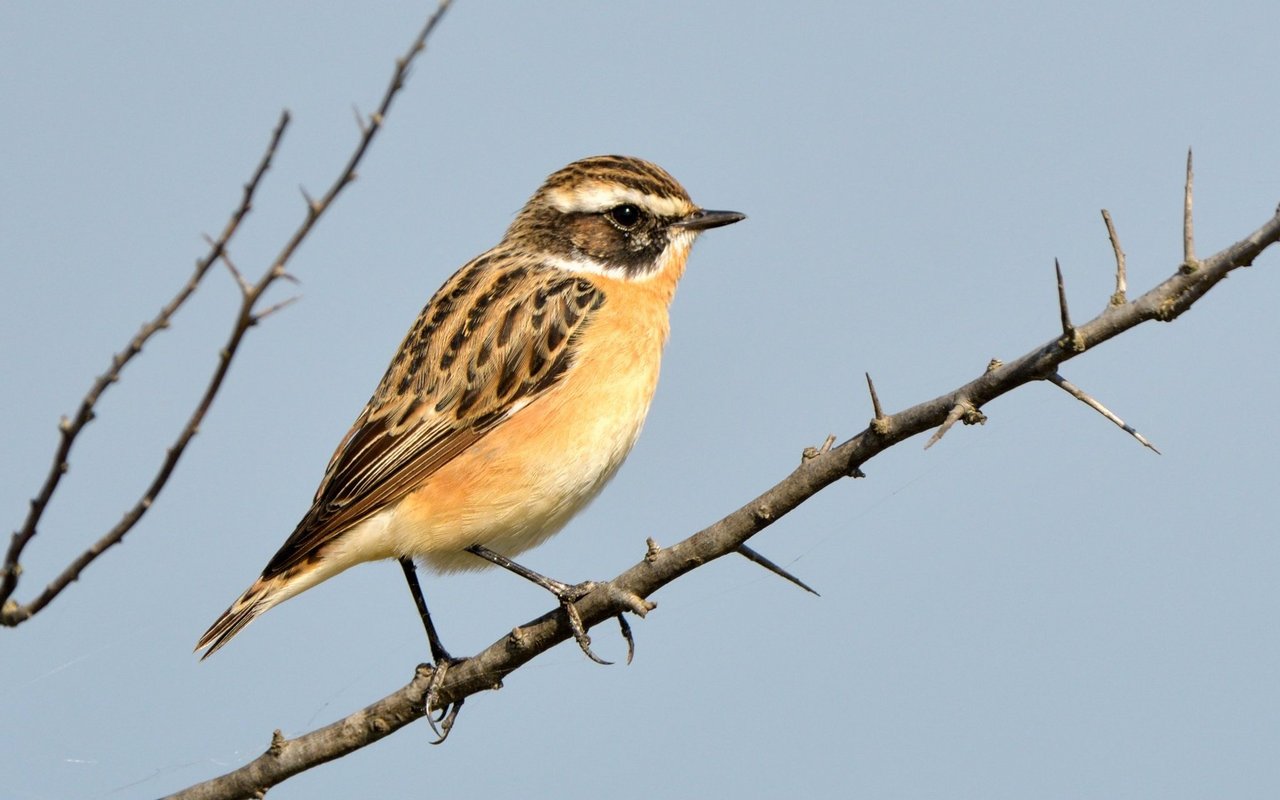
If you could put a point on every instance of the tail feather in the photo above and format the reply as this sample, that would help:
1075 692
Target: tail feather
259 597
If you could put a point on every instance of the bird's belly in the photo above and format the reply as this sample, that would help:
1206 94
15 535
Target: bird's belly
523 481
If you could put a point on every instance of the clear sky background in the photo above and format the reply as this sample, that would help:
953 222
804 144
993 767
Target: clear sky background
1038 607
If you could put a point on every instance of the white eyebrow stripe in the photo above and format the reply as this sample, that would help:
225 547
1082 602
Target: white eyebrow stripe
597 197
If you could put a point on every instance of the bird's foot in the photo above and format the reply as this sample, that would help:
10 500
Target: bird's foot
568 597
441 721
569 594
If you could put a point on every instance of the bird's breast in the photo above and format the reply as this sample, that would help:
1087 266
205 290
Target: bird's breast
524 480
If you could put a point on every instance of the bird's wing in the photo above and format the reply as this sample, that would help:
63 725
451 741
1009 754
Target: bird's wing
487 344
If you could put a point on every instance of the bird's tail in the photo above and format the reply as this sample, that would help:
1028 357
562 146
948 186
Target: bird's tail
262 595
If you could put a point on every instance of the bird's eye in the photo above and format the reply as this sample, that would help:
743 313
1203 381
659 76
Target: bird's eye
625 216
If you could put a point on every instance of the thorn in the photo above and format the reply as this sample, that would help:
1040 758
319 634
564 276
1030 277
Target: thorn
875 398
1071 338
1117 299
517 636
630 600
963 410
752 555
359 120
811 453
952 418
1070 388
1189 263
879 423
313 207
273 309
245 288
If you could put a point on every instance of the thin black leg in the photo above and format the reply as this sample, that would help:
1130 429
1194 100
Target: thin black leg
438 653
567 595
444 723
558 588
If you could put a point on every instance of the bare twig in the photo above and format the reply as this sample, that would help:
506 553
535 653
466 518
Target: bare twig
1117 299
316 208
236 275
1079 394
68 429
13 613
661 566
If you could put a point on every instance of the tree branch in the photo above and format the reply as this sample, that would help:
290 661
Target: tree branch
660 566
13 613
69 429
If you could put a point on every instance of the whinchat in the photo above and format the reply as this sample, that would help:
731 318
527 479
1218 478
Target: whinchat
514 398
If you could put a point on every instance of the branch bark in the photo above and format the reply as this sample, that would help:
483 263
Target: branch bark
660 566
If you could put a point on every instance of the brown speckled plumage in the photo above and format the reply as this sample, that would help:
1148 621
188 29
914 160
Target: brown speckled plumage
515 395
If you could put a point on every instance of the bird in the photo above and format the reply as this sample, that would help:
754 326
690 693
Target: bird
514 397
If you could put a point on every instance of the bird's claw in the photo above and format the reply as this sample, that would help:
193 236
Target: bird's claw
442 721
569 595
626 634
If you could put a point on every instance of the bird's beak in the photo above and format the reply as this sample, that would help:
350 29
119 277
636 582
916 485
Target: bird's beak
703 219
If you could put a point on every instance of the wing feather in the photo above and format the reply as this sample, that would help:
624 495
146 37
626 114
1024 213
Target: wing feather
497 335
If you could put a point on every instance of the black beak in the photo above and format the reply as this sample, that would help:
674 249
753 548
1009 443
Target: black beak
702 219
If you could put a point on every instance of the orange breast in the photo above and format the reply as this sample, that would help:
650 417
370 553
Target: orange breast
523 481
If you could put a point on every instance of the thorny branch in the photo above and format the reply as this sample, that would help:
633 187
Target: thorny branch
660 566
13 613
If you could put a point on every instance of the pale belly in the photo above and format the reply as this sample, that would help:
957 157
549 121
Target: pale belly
521 483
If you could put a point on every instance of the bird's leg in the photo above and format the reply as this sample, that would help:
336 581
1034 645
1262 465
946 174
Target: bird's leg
444 722
568 595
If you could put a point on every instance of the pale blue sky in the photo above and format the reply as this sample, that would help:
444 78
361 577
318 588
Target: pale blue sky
1035 608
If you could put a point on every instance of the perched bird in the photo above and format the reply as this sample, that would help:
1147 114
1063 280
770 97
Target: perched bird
513 399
